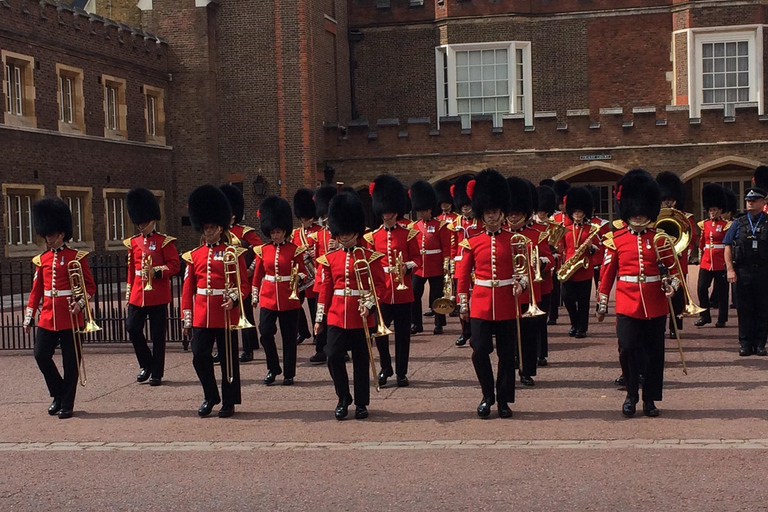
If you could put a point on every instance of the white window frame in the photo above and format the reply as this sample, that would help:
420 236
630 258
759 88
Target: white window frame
22 204
115 210
14 90
112 97
696 38
151 115
511 47
66 99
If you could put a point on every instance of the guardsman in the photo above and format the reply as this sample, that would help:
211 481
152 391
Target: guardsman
466 226
642 288
152 260
746 261
434 241
496 290
278 271
518 221
347 299
445 202
248 239
304 210
211 299
605 227
399 245
545 209
579 242
52 220
323 243
712 261
560 217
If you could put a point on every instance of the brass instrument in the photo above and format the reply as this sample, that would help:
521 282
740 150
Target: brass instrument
309 262
520 268
675 224
294 282
361 266
149 270
580 259
536 261
400 271
77 285
554 233
447 303
232 280
532 257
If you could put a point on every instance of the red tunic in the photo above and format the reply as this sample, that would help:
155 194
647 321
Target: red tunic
271 285
51 284
575 235
434 239
596 260
203 293
711 244
547 260
339 295
562 218
247 234
165 258
299 240
391 242
632 257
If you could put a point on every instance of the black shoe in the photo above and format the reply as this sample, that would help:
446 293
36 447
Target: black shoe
580 335
572 332
542 361
143 375
156 381
216 357
402 381
703 321
453 314
504 410
300 338
619 380
342 408
649 409
552 321
732 306
65 414
246 357
629 409
185 345
270 378
484 409
429 312
416 330
720 325
226 411
361 412
288 381
207 407
461 341
745 351
346 357
761 352
437 330
54 407
318 358
527 381
384 375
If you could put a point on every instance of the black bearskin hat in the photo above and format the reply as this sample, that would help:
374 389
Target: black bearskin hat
323 196
760 177
388 195
547 200
520 199
578 198
490 191
142 206
672 187
275 213
236 201
561 189
304 204
51 215
423 196
637 193
595 193
346 215
713 195
459 191
731 202
207 204
547 182
443 191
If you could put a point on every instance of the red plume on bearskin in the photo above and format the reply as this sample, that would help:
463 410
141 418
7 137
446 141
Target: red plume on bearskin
460 197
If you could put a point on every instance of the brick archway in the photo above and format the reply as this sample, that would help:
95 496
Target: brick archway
591 166
451 175
718 163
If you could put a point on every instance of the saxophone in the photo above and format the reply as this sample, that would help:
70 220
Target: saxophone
579 258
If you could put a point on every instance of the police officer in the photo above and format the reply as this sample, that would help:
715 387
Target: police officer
746 262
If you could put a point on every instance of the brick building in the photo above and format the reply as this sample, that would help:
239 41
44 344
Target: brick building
269 94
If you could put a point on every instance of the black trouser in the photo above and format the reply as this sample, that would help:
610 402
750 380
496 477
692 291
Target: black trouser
322 338
752 307
542 332
202 360
554 303
529 343
304 330
435 292
339 342
153 360
250 336
678 304
401 315
719 293
641 352
576 296
268 327
45 345
597 276
482 346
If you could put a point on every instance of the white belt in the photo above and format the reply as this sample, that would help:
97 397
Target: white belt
431 251
390 269
277 279
210 291
639 279
57 293
347 293
138 272
715 246
494 283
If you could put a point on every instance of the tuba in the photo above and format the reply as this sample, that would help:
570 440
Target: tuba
77 285
675 224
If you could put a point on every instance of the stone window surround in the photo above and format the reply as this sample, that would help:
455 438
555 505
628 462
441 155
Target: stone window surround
86 193
159 95
27 63
121 132
129 228
78 101
37 191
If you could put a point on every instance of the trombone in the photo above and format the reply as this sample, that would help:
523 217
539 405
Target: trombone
232 280
77 285
361 266
520 268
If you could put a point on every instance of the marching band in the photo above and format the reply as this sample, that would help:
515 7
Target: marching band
495 251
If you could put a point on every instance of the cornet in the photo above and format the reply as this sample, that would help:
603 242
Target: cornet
148 270
77 285
400 271
294 282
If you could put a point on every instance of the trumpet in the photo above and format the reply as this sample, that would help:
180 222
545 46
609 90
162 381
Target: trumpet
232 280
148 270
447 303
294 282
369 299
77 285
400 271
